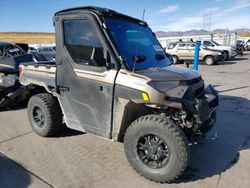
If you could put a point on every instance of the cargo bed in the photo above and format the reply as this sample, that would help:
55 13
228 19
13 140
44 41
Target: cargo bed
40 73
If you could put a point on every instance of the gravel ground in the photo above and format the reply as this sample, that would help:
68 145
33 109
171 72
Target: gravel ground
73 159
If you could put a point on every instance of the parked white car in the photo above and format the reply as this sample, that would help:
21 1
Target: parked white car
229 51
247 44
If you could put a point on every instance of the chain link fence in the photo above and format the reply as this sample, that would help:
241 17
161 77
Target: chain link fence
223 39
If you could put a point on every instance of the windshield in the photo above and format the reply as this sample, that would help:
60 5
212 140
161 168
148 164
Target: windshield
202 46
136 43
217 44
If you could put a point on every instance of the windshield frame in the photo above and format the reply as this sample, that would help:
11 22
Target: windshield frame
217 44
141 24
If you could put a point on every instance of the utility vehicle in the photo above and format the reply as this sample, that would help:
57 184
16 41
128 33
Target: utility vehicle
112 78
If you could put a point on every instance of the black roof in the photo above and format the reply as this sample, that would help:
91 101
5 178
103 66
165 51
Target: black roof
99 11
2 43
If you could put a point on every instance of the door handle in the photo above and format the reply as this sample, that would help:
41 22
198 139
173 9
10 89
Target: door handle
104 89
101 88
63 89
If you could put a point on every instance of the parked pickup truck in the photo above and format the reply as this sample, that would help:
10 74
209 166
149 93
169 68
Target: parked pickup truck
184 51
113 79
229 51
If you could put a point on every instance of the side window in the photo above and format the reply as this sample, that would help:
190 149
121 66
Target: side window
82 43
172 45
181 46
190 46
207 43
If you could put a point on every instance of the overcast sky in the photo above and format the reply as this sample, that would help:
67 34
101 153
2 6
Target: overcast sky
164 15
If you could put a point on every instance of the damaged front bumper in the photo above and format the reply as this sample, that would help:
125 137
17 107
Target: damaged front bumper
204 110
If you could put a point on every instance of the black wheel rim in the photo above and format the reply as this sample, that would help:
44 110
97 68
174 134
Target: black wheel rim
38 116
153 151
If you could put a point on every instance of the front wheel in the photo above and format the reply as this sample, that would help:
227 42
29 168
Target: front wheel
175 59
209 60
226 55
156 148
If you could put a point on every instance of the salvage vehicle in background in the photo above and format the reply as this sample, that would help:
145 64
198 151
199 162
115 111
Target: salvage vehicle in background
184 51
240 47
112 78
32 49
46 53
11 91
229 51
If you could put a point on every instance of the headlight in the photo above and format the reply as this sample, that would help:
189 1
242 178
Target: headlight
164 86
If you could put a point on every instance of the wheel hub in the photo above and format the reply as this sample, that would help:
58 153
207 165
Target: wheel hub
38 116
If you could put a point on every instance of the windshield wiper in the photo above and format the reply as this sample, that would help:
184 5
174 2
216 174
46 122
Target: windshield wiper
160 56
139 58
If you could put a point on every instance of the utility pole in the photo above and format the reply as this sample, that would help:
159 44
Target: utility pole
207 21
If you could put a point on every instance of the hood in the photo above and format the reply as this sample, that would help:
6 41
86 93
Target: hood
169 73
213 50
220 47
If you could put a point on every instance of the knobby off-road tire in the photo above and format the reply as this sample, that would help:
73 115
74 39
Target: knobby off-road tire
166 137
44 114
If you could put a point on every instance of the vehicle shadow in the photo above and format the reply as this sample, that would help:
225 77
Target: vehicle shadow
64 132
13 107
212 157
67 132
239 58
229 62
13 174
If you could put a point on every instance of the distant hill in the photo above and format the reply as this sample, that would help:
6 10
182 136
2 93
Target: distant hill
45 37
28 37
198 32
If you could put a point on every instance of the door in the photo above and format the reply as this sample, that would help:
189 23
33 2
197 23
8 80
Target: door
85 84
182 51
190 51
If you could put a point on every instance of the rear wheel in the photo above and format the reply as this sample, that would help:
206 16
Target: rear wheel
209 60
156 148
226 55
44 114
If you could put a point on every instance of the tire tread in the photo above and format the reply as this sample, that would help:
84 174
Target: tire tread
175 131
52 112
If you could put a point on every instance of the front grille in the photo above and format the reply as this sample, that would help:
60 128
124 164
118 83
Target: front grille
200 92
190 82
195 93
